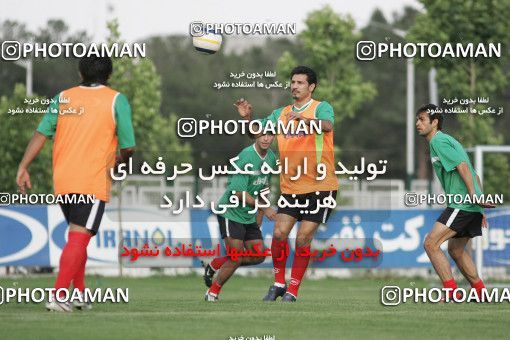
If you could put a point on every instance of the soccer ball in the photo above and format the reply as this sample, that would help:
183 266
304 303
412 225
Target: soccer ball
208 43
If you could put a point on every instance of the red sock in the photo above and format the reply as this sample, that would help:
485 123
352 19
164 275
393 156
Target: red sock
299 266
79 278
215 288
478 286
279 252
72 257
217 262
450 284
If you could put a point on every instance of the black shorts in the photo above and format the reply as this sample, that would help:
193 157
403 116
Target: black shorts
86 215
239 231
465 223
308 213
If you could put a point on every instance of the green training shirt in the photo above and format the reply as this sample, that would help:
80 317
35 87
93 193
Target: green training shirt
249 183
446 153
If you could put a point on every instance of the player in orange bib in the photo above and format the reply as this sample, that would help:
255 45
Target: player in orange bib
87 123
313 151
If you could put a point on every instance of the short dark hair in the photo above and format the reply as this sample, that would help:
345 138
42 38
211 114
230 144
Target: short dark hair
434 112
311 76
95 69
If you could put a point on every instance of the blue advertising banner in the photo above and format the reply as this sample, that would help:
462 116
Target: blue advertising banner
35 235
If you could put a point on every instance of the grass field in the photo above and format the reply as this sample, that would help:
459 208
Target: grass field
173 308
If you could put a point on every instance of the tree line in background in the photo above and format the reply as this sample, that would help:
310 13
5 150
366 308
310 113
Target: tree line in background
369 98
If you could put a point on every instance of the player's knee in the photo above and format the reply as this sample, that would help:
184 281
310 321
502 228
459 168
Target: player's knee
430 244
278 234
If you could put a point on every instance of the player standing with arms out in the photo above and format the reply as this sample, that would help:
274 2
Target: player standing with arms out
239 228
317 148
84 151
459 222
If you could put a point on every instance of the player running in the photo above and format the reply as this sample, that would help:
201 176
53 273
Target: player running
459 222
317 148
84 151
239 228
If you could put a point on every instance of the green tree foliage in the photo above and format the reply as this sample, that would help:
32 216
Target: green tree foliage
155 134
16 130
50 75
384 117
137 79
457 21
181 80
329 43
188 79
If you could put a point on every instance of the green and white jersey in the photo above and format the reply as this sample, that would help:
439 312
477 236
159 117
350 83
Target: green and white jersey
249 183
446 153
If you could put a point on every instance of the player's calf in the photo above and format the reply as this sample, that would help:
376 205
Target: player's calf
225 272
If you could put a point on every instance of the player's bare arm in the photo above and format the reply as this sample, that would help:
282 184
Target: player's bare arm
34 147
484 219
245 111
465 173
244 108
124 156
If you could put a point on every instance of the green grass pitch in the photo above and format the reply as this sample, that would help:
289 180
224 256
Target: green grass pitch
173 308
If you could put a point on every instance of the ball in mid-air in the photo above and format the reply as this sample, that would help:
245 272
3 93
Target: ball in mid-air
209 43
